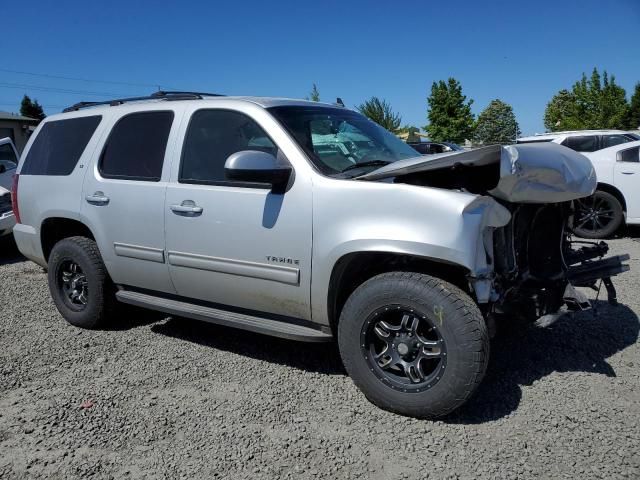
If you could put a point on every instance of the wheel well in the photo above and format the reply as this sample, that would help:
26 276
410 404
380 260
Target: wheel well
356 268
605 187
55 229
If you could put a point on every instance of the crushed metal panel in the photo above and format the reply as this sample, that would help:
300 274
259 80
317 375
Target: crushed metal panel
543 173
529 173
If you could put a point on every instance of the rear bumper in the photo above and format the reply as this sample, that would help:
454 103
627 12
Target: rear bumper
7 221
28 241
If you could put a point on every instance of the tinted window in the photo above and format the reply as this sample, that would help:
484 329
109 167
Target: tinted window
582 144
59 145
535 141
135 149
611 140
8 158
212 136
629 155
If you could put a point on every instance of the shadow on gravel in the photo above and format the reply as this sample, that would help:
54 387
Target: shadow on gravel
128 317
312 357
579 342
9 251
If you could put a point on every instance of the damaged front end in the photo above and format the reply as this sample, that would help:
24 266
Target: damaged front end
532 263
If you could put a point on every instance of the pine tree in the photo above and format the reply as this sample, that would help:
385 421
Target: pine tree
380 111
450 117
633 114
594 103
314 95
497 124
31 109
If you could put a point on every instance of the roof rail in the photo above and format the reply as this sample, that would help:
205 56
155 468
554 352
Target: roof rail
159 95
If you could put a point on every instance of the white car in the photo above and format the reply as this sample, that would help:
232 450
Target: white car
617 197
8 164
584 140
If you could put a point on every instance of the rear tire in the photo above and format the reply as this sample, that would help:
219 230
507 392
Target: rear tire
597 216
79 283
430 363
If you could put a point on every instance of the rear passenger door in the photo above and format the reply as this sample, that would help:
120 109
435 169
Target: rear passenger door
123 196
627 180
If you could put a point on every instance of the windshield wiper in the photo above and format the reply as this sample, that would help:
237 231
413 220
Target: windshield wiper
371 163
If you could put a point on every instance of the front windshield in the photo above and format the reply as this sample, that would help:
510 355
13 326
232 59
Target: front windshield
340 141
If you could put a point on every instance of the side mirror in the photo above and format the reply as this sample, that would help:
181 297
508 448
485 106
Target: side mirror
253 166
2 168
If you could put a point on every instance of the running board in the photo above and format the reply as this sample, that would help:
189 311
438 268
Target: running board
242 321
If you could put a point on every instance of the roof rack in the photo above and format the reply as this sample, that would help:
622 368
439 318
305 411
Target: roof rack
159 95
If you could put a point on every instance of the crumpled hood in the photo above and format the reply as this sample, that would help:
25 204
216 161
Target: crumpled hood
529 173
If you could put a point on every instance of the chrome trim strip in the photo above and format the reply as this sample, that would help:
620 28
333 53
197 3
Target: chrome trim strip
276 273
141 253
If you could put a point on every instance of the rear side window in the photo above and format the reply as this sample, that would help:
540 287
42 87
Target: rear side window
582 144
612 140
59 145
213 136
629 155
136 147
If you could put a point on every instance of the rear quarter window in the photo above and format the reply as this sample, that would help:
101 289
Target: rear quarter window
59 145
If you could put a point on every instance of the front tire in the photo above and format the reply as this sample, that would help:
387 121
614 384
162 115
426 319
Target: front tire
413 344
79 283
597 216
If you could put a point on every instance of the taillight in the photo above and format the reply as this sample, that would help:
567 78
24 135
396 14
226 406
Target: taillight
14 197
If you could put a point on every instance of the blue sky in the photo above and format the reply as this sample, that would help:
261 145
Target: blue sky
519 51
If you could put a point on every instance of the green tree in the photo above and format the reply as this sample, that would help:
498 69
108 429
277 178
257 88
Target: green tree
450 117
31 108
380 111
633 114
314 95
561 112
497 124
594 103
411 132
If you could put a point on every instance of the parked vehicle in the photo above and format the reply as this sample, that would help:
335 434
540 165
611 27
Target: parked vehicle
238 211
8 164
584 140
431 148
617 198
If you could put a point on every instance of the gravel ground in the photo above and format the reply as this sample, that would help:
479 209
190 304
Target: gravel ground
158 397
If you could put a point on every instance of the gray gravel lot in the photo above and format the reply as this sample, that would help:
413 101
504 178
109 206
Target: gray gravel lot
158 397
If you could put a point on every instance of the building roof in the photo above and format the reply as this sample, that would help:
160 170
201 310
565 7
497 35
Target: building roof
17 118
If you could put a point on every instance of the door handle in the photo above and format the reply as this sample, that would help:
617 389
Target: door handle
97 198
627 173
186 208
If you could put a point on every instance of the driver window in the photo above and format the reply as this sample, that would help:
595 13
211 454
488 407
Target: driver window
214 135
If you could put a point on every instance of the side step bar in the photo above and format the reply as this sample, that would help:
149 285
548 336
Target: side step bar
242 321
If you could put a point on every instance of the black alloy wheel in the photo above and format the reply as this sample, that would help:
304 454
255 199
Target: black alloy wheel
403 348
597 216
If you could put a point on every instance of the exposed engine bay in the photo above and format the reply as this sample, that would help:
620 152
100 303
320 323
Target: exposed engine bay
535 262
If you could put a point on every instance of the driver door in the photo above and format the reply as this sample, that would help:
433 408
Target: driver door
233 244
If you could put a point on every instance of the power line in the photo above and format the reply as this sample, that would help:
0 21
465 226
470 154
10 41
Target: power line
23 86
62 77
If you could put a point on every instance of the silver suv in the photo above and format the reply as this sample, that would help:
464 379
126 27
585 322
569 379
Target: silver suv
306 221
